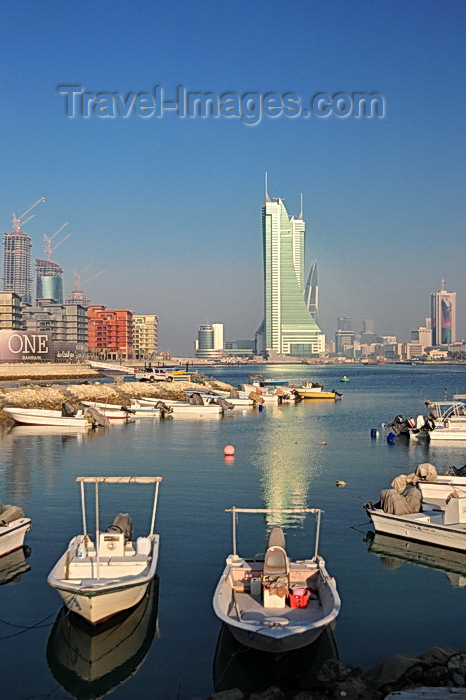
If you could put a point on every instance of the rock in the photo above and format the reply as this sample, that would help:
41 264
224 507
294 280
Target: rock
334 671
233 694
271 693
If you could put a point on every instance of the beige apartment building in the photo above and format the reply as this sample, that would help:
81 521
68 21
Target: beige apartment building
145 336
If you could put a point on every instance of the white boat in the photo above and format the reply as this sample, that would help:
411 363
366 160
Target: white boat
438 491
134 410
443 526
40 416
267 395
111 368
13 528
100 578
276 605
215 405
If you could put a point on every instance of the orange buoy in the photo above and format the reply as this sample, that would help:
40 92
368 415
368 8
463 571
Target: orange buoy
229 450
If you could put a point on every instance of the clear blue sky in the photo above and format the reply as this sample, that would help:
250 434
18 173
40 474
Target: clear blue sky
170 208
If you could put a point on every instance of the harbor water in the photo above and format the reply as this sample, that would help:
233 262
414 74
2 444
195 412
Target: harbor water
396 597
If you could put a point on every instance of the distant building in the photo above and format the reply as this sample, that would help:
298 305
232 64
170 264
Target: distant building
311 295
49 280
344 337
443 317
17 264
288 327
110 332
145 335
209 342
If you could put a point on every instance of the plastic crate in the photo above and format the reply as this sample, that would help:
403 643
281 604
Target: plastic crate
299 601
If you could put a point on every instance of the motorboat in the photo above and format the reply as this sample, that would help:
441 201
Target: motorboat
134 410
314 390
442 488
196 406
13 528
439 525
394 551
110 368
344 378
276 604
446 420
89 661
262 381
41 416
98 579
267 395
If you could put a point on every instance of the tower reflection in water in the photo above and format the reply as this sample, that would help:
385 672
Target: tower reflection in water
237 666
89 662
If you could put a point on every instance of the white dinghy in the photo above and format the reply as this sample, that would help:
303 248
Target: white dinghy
99 579
276 605
13 528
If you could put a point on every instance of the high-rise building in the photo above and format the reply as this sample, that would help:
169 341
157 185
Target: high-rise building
443 316
311 294
288 327
10 311
17 264
17 258
49 281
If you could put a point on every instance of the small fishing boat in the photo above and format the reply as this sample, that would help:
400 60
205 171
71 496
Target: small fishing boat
13 528
134 410
41 416
344 378
98 579
314 390
439 525
276 605
262 381
196 406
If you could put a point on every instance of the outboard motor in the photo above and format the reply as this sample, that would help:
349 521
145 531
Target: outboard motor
67 409
224 403
122 524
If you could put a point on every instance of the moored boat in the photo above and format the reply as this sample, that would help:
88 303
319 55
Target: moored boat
277 604
13 528
134 410
40 416
314 390
98 579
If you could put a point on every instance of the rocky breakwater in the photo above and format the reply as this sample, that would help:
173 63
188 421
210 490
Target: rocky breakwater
119 393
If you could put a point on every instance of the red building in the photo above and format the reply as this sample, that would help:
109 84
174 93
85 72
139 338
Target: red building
110 333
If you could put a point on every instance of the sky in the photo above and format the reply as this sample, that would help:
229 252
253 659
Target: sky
168 209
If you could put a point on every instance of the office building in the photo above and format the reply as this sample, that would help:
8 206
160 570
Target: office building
311 294
288 327
443 316
209 342
49 280
110 333
145 336
66 326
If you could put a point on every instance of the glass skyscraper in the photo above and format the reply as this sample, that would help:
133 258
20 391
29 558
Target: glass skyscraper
443 315
49 281
288 327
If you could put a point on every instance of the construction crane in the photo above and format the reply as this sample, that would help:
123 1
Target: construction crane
77 277
18 221
48 239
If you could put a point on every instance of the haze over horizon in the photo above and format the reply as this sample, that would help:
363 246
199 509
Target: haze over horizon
170 207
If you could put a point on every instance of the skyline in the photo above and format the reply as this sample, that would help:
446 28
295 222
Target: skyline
171 208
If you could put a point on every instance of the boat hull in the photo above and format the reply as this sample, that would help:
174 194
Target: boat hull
277 630
438 491
117 588
12 535
417 527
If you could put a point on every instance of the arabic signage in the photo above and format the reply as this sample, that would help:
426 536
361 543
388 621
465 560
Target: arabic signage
23 346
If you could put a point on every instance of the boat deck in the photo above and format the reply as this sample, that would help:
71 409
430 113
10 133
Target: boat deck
252 610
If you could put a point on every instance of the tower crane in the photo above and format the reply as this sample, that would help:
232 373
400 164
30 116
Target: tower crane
49 239
17 221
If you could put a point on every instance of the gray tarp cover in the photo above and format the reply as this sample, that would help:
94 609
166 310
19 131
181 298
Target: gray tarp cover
401 503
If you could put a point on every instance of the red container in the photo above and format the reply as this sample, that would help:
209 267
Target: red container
299 601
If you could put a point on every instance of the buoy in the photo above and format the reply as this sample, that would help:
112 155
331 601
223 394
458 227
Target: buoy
391 437
374 433
340 483
260 407
229 450
323 443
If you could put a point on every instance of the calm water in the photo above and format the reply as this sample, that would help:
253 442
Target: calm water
169 648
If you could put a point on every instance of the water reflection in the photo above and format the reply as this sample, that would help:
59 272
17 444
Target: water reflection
393 552
288 461
14 565
237 666
89 662
26 446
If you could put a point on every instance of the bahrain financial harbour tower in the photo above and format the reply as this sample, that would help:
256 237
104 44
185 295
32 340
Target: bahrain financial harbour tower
288 327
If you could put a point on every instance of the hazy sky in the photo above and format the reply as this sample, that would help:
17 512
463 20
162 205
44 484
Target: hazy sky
170 207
